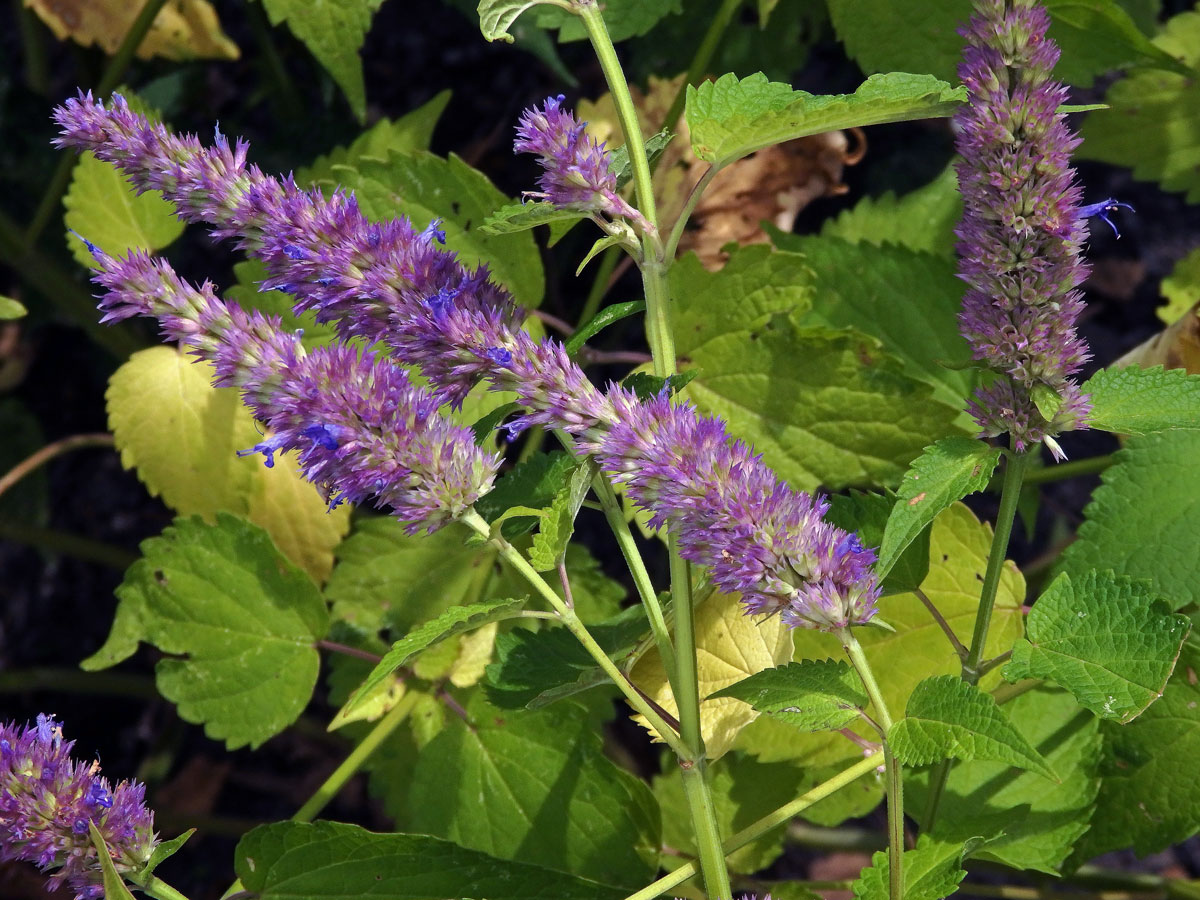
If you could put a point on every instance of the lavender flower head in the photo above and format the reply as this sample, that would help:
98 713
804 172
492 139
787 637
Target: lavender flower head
47 800
577 171
1022 228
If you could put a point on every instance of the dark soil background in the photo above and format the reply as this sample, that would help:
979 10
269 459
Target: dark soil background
56 601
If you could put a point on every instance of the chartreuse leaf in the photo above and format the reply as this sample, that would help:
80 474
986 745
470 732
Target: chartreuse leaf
454 621
1130 400
114 884
1030 822
732 117
729 646
815 695
917 648
104 208
514 217
182 436
1150 796
932 870
1105 638
945 473
537 786
558 524
497 16
239 621
921 220
182 31
947 718
623 18
332 861
908 301
333 31
1181 288
1151 492
11 309
1164 104
425 187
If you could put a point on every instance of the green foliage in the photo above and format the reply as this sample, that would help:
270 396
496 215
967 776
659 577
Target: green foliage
239 621
867 516
932 871
614 312
1130 400
247 293
945 473
1152 124
164 850
333 31
1030 822
1144 520
814 695
11 309
331 861
921 220
947 718
730 118
623 18
1181 288
114 884
558 521
514 217
1106 639
533 483
536 787
104 208
497 16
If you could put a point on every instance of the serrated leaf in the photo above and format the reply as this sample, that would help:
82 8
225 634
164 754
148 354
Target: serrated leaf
332 861
932 870
622 19
536 786
104 208
239 621
814 695
597 323
921 220
423 187
114 884
533 483
1144 519
497 16
1106 639
867 515
1131 400
730 118
729 646
185 30
946 718
164 850
943 474
1154 102
333 31
1030 823
514 217
558 524
454 621
619 160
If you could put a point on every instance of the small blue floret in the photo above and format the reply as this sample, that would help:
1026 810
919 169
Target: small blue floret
1102 209
499 355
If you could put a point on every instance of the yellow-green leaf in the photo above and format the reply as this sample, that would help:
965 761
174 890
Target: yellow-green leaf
183 29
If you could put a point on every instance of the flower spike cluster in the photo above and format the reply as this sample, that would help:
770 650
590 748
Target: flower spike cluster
361 429
577 171
47 801
1022 228
389 283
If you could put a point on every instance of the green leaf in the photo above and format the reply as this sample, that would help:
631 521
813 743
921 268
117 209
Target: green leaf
533 483
332 861
931 871
1150 796
558 524
537 786
1163 104
1181 288
248 293
1131 400
114 884
497 16
622 18
1144 520
1031 823
946 718
164 850
514 217
655 145
1106 639
613 313
815 695
730 118
12 309
333 31
104 208
423 187
647 386
946 472
867 515
921 220
908 301
454 621
238 620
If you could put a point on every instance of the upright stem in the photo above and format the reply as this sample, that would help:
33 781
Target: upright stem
704 55
895 784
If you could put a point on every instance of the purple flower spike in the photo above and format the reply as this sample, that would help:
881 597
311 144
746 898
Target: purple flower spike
362 430
48 800
1022 226
577 170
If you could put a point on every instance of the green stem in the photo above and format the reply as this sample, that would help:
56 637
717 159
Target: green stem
54 541
1073 469
49 452
705 52
156 887
74 681
698 189
767 823
892 773
359 755
37 72
110 78
573 624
